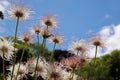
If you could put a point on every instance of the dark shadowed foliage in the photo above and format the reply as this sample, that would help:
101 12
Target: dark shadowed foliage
28 52
107 67
1 15
115 61
7 63
59 54
29 77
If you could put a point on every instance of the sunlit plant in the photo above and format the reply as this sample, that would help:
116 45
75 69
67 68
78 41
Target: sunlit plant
26 38
6 52
18 12
97 41
49 21
79 47
38 66
56 40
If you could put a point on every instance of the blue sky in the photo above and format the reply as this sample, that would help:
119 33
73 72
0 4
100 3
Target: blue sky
76 18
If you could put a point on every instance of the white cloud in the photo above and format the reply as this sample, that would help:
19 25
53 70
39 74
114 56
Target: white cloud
3 5
111 36
105 32
114 39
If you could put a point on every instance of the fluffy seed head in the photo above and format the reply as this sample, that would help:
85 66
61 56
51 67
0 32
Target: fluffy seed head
6 48
26 37
45 33
78 47
54 72
72 62
49 21
54 75
31 65
35 29
56 39
97 41
57 72
20 12
21 72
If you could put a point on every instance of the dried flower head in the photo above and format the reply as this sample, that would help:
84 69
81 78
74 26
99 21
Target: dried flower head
30 65
71 62
49 21
41 71
6 48
20 12
21 72
55 72
56 39
97 41
78 47
26 37
54 75
36 29
45 33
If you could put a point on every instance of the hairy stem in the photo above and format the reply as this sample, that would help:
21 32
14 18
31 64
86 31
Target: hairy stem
52 55
3 66
38 54
47 27
77 52
72 74
44 45
20 62
15 39
96 48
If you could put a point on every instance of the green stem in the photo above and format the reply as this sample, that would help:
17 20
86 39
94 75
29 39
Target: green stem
44 45
15 39
95 53
72 74
3 66
89 70
77 52
47 27
52 55
20 62
38 57
38 54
